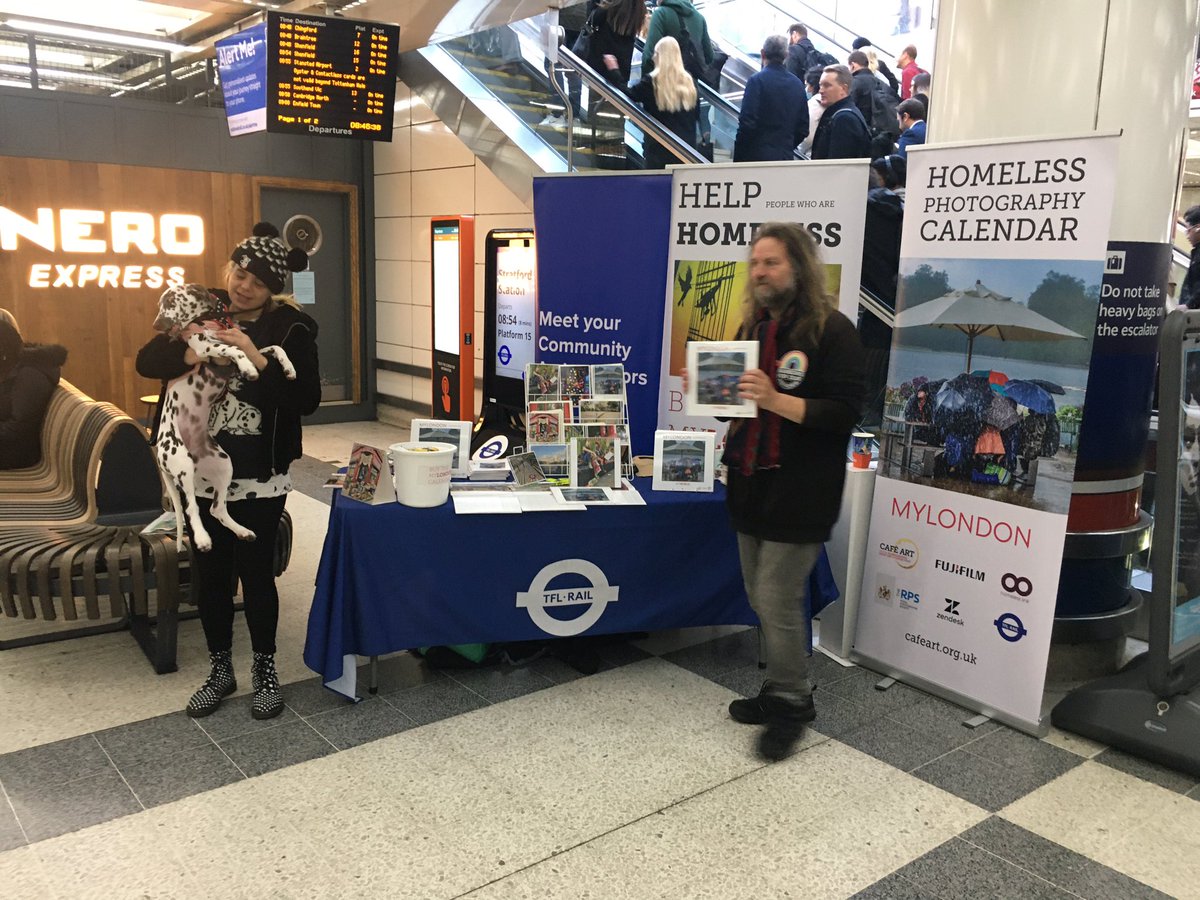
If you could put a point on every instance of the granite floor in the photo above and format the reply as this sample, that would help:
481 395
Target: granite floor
537 781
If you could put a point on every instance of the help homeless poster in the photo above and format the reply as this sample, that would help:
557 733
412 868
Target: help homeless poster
1001 265
714 213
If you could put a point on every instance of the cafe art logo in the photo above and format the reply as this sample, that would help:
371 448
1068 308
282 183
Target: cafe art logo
540 598
904 552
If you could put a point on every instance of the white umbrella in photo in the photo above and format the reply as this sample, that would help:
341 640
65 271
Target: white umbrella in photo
981 311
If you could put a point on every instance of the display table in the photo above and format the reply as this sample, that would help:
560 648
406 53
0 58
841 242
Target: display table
394 578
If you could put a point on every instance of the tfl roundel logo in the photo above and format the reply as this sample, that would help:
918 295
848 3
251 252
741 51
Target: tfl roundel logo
541 597
1011 628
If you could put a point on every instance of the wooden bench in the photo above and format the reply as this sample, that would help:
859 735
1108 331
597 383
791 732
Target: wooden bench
71 531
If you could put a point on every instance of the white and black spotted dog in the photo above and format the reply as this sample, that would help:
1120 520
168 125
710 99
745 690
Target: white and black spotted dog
184 447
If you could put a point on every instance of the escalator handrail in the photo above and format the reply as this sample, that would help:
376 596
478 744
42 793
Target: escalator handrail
678 148
648 124
876 307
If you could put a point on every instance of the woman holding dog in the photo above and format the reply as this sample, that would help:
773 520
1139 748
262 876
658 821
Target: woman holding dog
258 424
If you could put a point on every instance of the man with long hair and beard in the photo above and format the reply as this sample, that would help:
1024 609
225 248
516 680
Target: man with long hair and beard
787 466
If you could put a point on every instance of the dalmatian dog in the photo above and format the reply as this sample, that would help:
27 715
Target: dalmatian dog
185 448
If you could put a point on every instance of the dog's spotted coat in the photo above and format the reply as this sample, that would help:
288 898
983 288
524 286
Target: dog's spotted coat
185 448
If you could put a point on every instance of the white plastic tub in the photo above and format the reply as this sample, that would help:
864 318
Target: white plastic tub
421 472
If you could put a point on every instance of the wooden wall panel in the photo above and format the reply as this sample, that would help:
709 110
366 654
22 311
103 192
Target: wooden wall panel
103 328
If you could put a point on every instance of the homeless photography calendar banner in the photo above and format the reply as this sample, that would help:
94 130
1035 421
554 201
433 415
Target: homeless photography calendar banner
715 211
1002 260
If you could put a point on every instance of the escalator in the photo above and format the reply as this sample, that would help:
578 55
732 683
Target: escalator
495 91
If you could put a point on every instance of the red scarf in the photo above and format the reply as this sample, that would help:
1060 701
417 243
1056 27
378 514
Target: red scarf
753 444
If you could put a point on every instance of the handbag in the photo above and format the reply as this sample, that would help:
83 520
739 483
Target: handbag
712 75
583 44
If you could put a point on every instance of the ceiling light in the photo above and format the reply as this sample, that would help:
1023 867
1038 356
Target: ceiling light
59 57
91 34
60 74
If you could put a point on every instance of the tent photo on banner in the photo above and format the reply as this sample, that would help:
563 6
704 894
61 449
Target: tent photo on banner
988 374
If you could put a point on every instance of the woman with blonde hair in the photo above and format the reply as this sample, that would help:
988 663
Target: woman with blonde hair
669 94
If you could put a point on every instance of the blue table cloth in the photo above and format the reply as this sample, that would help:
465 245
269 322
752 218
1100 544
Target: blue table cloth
392 577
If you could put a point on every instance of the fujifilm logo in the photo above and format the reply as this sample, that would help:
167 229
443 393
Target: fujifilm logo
956 569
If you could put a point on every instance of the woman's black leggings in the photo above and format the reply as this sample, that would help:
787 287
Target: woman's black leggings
252 562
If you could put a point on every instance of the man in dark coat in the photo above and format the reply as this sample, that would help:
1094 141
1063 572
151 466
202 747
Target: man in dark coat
801 54
774 115
862 85
842 132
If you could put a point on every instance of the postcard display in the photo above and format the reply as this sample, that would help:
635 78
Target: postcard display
965 547
577 422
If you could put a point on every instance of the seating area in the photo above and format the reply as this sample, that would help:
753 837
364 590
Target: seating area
71 541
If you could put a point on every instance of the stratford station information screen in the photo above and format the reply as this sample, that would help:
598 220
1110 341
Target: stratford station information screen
331 76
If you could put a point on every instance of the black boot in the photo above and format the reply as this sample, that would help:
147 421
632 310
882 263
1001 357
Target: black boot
786 718
749 711
268 699
219 685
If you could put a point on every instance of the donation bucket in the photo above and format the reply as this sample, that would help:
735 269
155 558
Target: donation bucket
421 472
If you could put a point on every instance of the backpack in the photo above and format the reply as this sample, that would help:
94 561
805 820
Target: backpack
817 58
692 60
883 111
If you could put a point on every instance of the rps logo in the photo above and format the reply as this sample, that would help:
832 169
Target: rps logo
908 599
903 552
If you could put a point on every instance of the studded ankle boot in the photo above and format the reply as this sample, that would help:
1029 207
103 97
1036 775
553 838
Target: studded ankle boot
219 685
268 699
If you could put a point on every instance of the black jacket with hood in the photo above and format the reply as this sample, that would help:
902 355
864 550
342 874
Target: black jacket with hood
24 395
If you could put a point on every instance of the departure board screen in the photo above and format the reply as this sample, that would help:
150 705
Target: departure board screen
331 76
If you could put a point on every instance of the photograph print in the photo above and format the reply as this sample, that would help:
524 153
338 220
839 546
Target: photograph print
714 369
683 461
988 371
576 381
594 462
602 410
545 426
608 379
456 434
541 382
525 469
581 495
554 459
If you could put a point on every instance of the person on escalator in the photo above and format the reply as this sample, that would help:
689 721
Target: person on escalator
681 20
668 94
1189 294
774 114
617 24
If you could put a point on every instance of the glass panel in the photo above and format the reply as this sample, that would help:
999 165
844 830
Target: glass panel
513 68
1185 621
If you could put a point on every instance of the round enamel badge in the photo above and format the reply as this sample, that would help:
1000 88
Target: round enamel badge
793 366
